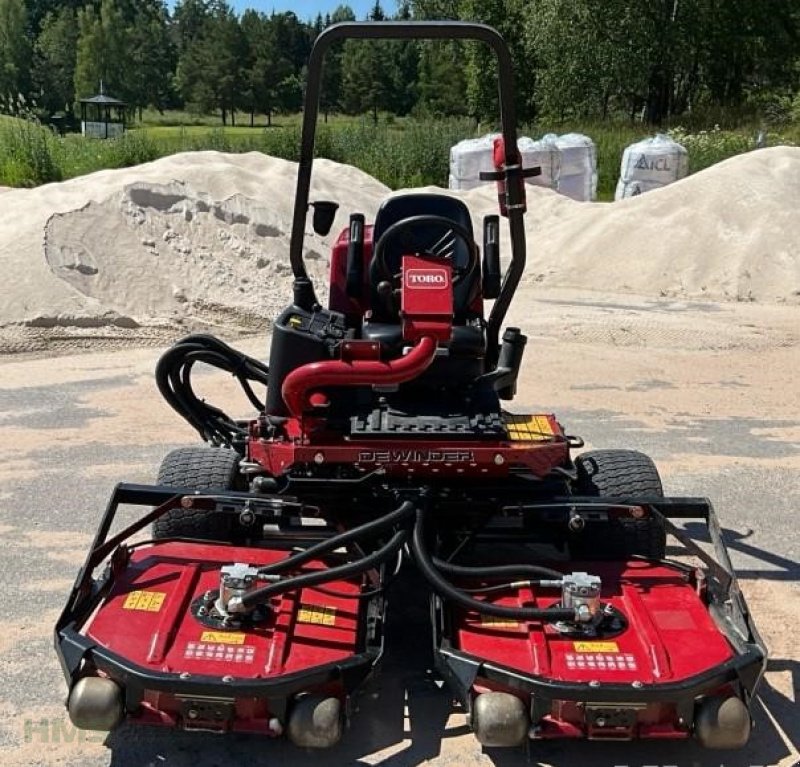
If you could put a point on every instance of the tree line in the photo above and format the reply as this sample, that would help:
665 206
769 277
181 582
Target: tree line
651 59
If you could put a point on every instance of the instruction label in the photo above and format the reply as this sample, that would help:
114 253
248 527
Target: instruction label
148 601
319 615
219 652
528 428
596 646
223 637
496 622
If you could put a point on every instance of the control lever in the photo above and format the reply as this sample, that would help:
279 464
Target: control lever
491 257
355 257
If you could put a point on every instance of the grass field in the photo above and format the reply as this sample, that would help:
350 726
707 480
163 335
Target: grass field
401 152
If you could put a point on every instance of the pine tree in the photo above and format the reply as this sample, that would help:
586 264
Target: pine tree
15 53
54 61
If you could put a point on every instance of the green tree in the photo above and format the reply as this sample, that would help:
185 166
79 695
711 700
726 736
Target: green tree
15 52
103 52
441 84
152 56
366 73
332 88
210 72
267 70
54 61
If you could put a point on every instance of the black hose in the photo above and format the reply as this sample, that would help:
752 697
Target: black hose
495 571
447 590
507 586
401 512
257 596
173 378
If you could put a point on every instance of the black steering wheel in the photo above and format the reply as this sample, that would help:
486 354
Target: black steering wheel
443 247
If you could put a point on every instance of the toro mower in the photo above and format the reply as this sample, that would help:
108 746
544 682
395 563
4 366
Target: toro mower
257 604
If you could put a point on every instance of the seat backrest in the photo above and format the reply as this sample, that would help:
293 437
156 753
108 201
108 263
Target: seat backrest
418 204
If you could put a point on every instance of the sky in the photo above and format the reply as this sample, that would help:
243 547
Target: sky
306 10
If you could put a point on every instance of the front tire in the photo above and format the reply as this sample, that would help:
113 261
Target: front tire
198 468
619 474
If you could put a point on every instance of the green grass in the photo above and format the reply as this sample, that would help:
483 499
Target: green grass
401 152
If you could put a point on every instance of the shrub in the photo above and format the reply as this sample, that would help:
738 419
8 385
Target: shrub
29 154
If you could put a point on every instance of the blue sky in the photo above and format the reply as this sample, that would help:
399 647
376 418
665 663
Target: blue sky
308 9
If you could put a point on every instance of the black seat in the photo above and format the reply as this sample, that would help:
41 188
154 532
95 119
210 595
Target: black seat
418 204
468 345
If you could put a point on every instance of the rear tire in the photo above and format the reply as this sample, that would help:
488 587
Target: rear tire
198 468
619 474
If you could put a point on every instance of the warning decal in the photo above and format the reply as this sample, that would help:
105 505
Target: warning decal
595 647
220 652
149 601
222 637
317 614
528 428
599 661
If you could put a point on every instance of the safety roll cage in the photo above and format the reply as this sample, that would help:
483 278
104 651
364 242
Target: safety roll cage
304 295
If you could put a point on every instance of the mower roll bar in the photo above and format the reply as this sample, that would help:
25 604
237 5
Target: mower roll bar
304 296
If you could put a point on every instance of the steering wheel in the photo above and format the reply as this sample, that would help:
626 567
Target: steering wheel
443 248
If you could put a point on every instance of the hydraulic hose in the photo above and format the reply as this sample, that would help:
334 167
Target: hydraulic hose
496 571
448 591
400 513
257 596
174 374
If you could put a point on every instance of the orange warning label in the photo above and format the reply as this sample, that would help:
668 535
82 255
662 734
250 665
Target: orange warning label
317 614
149 601
222 637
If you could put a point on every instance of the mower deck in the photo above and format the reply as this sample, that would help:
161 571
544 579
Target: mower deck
675 643
149 625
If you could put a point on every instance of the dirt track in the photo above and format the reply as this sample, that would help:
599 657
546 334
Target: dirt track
710 391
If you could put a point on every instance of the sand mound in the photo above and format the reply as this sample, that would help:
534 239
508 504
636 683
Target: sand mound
200 238
203 238
729 232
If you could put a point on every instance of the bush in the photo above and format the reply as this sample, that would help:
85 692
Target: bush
29 154
707 147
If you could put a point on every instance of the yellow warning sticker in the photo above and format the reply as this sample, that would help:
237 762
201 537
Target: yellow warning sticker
222 637
149 601
496 622
317 614
596 647
528 428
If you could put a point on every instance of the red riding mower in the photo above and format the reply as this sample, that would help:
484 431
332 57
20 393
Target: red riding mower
258 604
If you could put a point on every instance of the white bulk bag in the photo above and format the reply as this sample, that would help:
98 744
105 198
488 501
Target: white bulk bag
543 154
468 158
578 174
650 164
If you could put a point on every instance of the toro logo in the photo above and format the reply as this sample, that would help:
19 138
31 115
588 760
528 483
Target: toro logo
426 278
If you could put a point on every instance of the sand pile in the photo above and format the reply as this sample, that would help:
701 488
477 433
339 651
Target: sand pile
727 233
191 240
202 239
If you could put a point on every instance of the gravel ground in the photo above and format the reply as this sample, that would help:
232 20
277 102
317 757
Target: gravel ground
708 390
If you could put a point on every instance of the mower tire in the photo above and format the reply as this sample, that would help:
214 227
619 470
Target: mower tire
198 468
618 474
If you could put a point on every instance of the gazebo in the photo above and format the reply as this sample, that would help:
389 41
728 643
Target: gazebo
102 116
